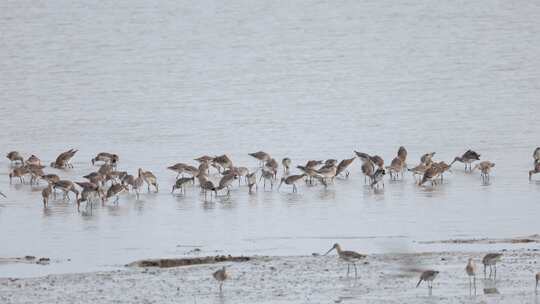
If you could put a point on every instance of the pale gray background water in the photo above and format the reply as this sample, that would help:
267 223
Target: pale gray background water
165 82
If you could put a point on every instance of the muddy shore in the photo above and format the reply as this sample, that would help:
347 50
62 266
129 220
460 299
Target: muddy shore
384 278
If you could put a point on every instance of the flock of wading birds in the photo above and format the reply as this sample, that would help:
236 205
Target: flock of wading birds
108 182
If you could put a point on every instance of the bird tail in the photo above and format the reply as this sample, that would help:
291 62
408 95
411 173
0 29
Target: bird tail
419 282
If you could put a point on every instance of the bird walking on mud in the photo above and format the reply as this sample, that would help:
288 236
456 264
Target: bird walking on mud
491 260
220 276
428 276
351 257
470 269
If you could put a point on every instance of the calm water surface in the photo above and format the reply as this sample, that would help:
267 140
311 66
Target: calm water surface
160 83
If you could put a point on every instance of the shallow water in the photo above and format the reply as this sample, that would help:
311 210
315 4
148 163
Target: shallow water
166 82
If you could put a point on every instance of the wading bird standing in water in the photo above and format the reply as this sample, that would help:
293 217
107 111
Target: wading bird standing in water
428 276
221 275
491 260
291 180
470 269
14 157
286 162
535 170
350 257
485 168
63 160
261 156
46 194
467 158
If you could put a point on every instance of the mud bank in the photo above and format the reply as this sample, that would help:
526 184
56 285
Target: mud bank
386 278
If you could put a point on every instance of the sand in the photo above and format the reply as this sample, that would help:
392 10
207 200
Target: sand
384 278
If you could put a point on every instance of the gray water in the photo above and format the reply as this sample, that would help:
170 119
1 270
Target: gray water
160 83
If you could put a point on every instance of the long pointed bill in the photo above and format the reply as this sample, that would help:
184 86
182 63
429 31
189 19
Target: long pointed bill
329 251
2 194
279 185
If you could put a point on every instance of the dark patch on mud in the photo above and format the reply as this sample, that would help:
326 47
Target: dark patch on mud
166 263
520 240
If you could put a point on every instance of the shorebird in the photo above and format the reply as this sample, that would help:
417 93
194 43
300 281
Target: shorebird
178 168
149 178
180 184
485 168
36 172
286 162
291 180
312 164
535 170
33 160
375 159
252 181
45 194
105 169
428 276
467 158
66 186
261 156
272 165
330 163
377 178
51 179
95 178
363 156
90 190
223 162
368 169
19 172
326 173
441 168
108 158
470 269
15 156
310 173
204 159
350 257
208 186
427 158
395 168
221 275
193 171
226 182
419 171
136 183
402 154
115 176
378 161
343 165
63 160
536 154
116 190
267 175
431 175
241 172
491 260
